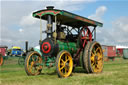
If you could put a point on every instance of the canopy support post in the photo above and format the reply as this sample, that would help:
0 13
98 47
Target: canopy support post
95 33
55 27
40 29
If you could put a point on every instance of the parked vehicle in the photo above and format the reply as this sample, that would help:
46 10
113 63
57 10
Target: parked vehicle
109 52
119 52
16 51
71 43
2 54
125 53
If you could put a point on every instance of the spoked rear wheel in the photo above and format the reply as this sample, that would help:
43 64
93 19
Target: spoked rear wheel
95 58
1 60
33 63
64 64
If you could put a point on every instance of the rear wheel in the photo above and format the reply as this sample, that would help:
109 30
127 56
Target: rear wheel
95 57
33 63
1 60
64 64
85 58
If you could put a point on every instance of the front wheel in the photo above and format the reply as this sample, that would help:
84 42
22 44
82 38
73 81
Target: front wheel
64 64
33 63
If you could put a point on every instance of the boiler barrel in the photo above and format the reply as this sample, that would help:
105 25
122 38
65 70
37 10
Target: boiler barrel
50 48
69 46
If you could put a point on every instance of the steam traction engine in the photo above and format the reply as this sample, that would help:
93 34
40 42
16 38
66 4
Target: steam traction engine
70 42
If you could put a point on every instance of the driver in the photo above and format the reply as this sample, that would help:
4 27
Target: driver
59 33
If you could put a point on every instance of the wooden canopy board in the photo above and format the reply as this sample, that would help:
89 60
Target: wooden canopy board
66 18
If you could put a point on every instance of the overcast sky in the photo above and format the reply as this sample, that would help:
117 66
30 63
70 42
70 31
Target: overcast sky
17 24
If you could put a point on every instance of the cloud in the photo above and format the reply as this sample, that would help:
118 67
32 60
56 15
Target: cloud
121 29
98 14
29 27
18 25
28 20
21 30
70 5
116 35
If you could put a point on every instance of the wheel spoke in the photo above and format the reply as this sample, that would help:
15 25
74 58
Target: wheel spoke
62 67
92 63
31 66
32 58
83 32
62 60
97 49
100 59
65 64
83 37
32 63
65 70
92 58
93 53
66 57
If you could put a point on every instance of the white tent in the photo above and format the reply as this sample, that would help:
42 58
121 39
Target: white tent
37 47
119 46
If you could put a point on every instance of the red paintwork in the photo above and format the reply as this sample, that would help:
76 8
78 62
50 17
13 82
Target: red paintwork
47 12
3 51
83 19
88 33
111 51
44 46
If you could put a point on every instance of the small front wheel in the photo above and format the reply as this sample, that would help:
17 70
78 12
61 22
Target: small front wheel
33 63
64 64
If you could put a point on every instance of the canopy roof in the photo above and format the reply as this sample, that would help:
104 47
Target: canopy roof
66 18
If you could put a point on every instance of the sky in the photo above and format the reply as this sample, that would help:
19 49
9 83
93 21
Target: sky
17 24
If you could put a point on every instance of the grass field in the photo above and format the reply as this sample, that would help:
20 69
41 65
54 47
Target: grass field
114 73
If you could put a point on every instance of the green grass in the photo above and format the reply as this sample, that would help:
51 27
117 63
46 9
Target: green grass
114 73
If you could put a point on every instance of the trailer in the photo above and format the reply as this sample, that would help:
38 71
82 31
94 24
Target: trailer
109 52
16 51
2 54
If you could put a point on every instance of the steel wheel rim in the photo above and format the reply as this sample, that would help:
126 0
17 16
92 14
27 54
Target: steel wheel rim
31 64
65 64
96 59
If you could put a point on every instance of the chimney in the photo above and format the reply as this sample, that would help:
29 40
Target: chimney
26 46
50 7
